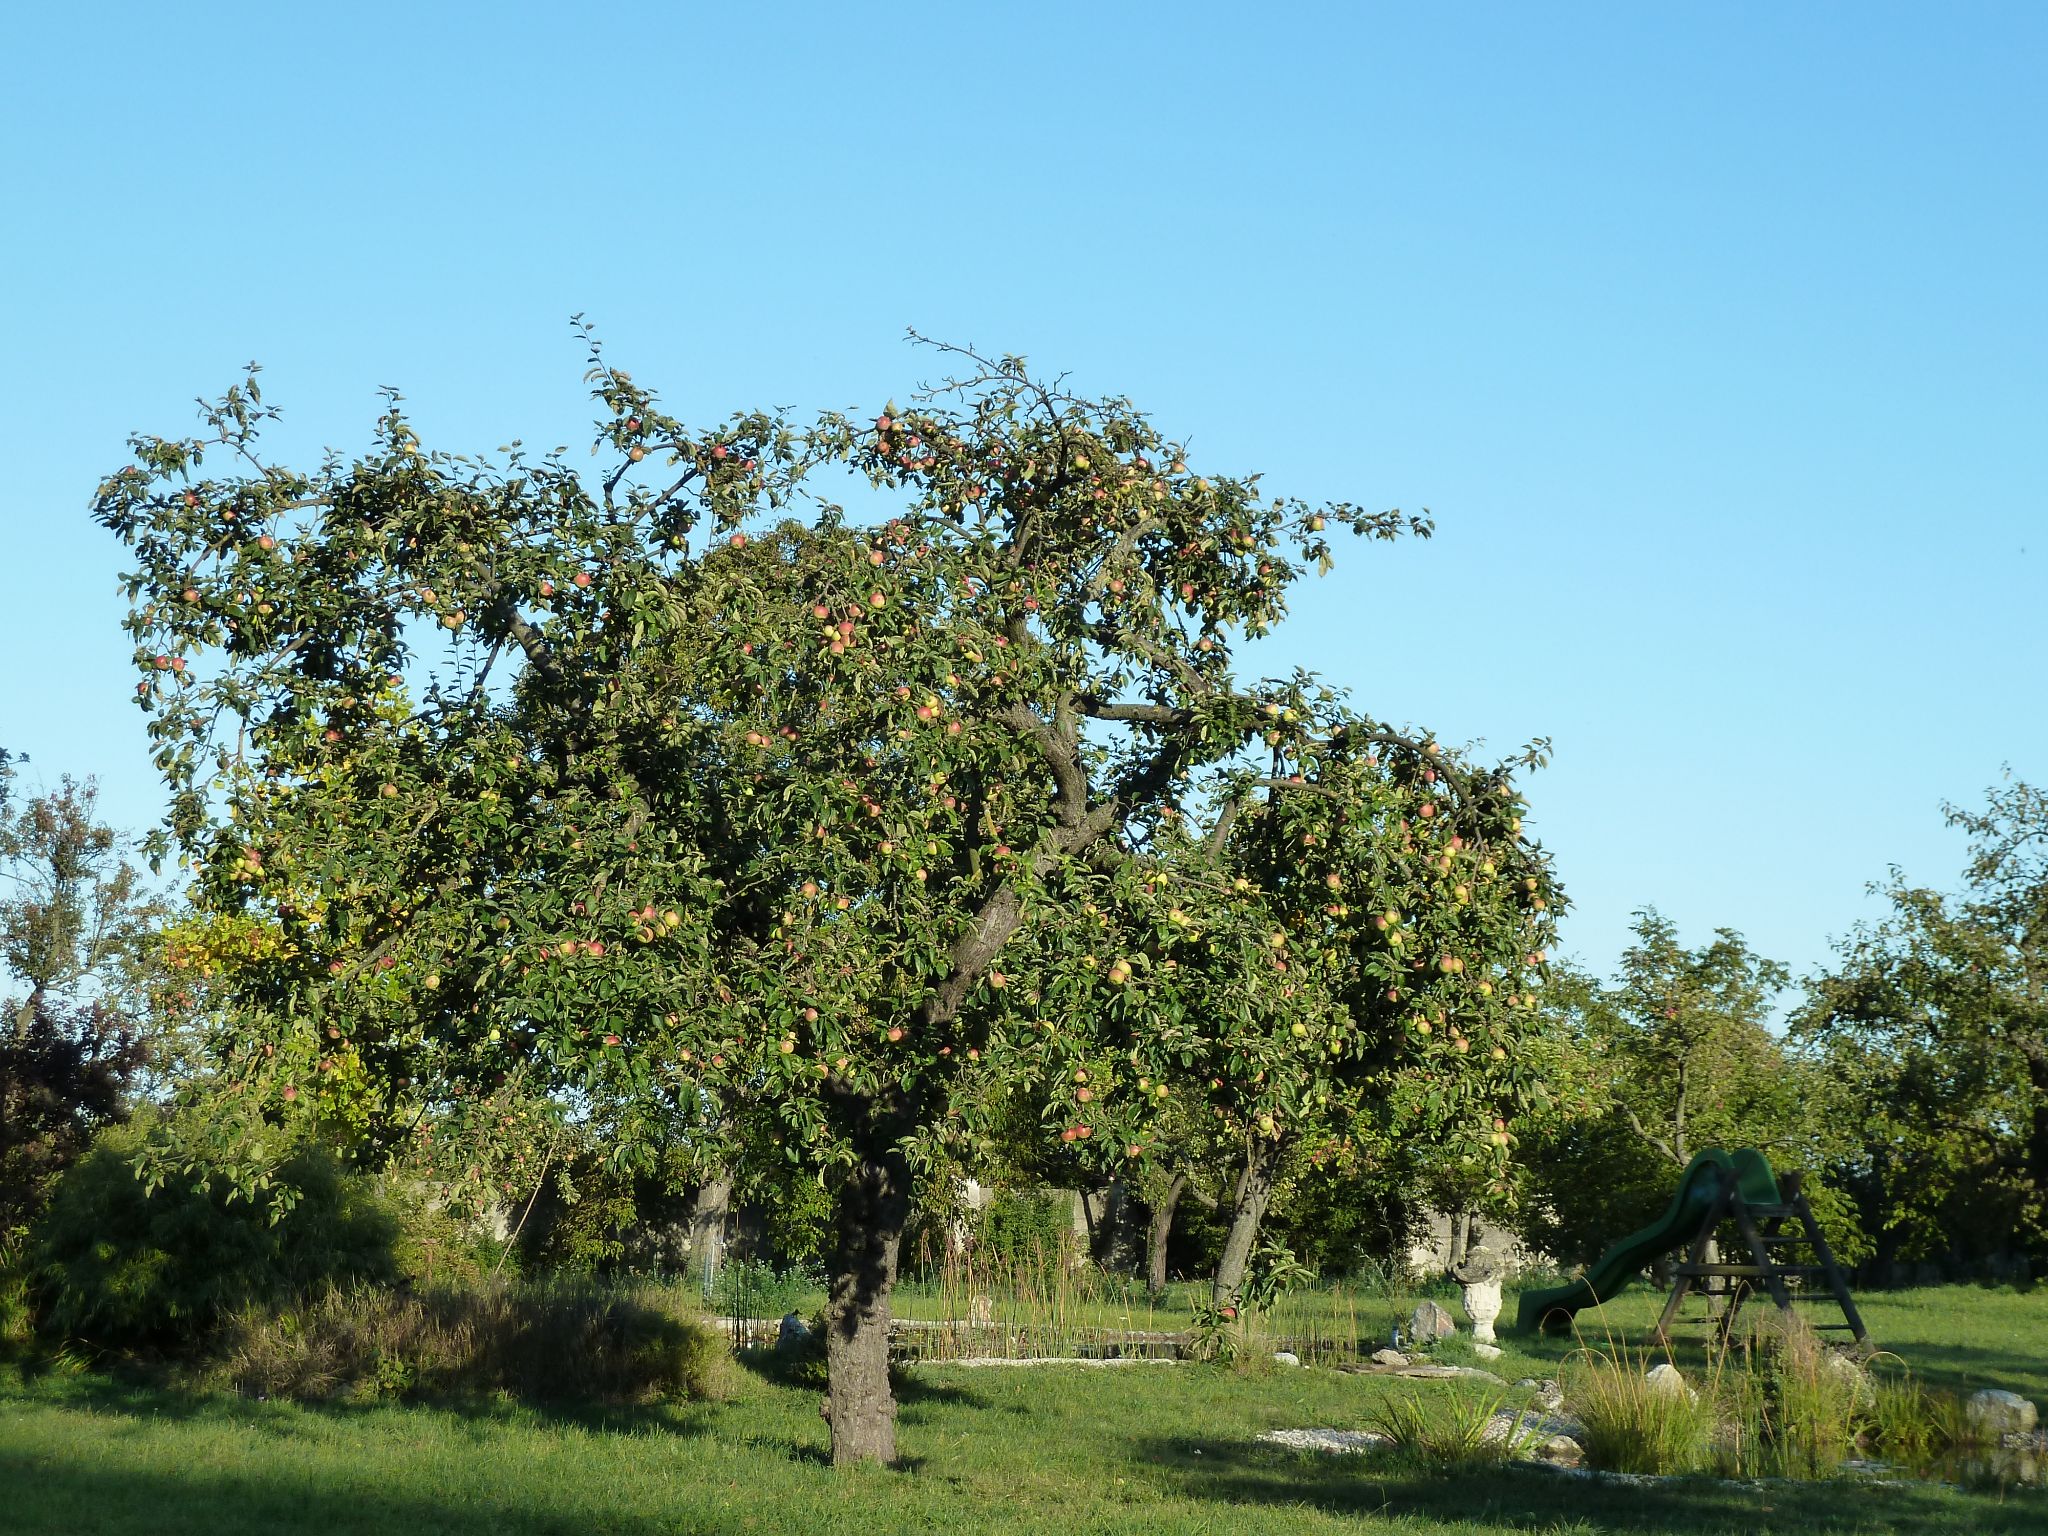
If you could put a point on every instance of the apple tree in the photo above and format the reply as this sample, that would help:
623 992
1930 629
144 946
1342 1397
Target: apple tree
740 765
1339 960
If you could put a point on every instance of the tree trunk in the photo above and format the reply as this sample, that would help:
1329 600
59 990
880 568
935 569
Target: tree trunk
1089 1202
707 1227
873 1208
1461 1240
1162 1229
1111 1246
25 1015
1254 1190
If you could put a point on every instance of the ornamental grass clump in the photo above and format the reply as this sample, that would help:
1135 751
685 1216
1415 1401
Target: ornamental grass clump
1449 1429
1635 1422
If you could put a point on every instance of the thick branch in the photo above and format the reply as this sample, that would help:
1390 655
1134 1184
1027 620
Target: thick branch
1656 1141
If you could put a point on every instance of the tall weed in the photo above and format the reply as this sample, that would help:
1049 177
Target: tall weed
1793 1408
581 1342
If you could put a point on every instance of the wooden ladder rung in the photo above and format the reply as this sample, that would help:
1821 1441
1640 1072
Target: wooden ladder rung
1751 1271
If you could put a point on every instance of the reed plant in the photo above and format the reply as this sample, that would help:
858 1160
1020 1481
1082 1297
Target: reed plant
1790 1407
1907 1421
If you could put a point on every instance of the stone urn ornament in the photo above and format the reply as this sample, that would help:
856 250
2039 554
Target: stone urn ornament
1480 1275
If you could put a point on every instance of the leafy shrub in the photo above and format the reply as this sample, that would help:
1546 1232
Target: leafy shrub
1216 1332
567 1341
751 1288
1272 1272
579 1218
17 1319
437 1245
116 1263
1023 1225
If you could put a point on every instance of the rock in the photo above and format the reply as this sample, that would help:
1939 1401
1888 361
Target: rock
1392 1357
1487 1351
1286 1357
1548 1394
793 1334
1447 1372
1993 1413
1664 1381
1430 1323
1554 1440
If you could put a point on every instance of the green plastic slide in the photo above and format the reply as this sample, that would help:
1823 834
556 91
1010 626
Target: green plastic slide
1552 1310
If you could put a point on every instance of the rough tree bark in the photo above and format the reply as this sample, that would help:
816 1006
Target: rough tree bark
707 1226
872 1209
1161 1231
1108 1213
1254 1192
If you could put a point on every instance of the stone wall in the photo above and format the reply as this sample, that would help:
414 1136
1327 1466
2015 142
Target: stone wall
1431 1236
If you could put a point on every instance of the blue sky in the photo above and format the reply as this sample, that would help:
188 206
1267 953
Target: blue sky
1714 336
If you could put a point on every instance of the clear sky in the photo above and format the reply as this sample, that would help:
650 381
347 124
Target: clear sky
1714 336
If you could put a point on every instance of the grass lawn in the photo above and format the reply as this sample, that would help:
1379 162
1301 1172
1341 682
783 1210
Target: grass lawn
1152 1449
1954 1337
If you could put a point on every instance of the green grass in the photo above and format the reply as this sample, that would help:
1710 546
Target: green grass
1954 1337
1957 1338
1137 1450
1152 1450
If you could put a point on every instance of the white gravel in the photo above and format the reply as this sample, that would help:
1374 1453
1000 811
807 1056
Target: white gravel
1336 1441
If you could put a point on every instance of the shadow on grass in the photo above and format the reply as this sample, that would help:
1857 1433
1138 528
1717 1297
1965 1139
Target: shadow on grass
146 1396
71 1498
1539 1499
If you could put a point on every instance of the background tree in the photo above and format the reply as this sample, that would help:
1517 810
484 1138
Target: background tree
1936 1021
564 777
74 931
1679 1055
74 919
